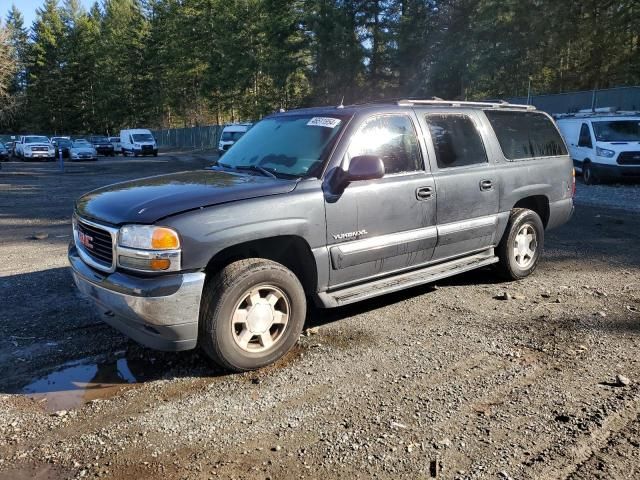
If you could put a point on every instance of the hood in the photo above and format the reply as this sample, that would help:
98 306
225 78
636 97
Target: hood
150 199
38 145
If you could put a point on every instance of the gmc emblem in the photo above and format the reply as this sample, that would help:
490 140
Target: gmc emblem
85 240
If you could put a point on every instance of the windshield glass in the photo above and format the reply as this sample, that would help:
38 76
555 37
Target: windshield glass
142 137
231 136
36 140
81 143
99 139
291 145
63 142
114 140
617 131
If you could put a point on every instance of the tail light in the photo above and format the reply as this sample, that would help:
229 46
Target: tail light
573 183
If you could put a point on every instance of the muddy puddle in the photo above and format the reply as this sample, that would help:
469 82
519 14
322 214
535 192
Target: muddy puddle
75 383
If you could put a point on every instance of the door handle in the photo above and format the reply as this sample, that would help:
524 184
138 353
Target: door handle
486 185
424 193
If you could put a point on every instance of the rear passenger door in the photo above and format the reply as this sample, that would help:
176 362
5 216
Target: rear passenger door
466 183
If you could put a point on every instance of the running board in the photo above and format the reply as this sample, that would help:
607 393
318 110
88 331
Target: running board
401 281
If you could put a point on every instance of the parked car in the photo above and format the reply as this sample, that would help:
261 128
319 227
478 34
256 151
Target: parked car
230 135
4 153
35 147
82 149
10 146
117 147
334 205
139 141
62 143
102 145
603 145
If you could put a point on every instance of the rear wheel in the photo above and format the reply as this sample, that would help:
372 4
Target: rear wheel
520 248
253 312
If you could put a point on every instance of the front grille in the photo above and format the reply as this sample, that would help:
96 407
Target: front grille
95 242
147 147
39 149
629 158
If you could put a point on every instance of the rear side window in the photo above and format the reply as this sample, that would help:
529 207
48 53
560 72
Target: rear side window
456 140
393 139
525 134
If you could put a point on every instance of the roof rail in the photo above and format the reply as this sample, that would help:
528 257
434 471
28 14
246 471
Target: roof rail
618 113
461 103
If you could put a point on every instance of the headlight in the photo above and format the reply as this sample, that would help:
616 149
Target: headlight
136 145
603 152
149 237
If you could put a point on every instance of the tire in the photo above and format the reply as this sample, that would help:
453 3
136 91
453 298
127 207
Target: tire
513 264
228 321
587 174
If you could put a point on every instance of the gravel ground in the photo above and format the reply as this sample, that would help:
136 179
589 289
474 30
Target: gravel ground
445 380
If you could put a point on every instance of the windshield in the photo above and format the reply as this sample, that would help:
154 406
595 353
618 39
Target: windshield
114 139
64 142
142 137
99 139
81 143
617 131
291 145
231 136
36 140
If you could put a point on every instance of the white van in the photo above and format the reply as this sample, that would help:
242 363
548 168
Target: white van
231 134
604 145
138 141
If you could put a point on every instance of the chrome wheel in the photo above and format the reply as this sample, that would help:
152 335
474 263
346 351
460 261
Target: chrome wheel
260 318
525 245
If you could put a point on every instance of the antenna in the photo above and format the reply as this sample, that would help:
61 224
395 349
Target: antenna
341 103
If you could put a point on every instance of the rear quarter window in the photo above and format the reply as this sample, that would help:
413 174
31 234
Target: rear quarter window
525 135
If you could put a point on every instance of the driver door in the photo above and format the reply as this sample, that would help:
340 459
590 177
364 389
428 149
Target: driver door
376 227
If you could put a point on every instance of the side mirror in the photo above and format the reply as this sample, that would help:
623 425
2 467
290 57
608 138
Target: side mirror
365 167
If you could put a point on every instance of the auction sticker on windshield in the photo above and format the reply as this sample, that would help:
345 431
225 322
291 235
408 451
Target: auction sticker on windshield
324 122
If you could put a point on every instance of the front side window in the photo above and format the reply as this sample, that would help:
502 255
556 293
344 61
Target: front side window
231 136
456 140
585 137
617 131
525 135
295 145
393 139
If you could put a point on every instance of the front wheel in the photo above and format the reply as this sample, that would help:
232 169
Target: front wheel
587 174
253 312
520 248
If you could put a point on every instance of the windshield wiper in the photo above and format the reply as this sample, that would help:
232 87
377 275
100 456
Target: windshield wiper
256 168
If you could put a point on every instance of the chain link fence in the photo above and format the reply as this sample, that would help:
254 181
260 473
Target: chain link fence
624 98
197 138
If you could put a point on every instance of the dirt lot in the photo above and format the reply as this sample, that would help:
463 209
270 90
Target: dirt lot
447 380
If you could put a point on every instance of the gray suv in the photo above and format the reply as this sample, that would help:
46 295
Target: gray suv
329 205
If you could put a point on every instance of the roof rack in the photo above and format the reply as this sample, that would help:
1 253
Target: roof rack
597 113
461 103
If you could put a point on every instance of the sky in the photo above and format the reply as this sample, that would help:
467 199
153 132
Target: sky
28 8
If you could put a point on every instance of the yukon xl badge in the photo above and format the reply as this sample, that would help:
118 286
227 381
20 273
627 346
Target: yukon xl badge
344 236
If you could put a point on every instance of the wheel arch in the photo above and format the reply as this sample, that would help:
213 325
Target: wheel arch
292 251
537 203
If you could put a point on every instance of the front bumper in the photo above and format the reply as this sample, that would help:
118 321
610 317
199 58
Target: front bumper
616 172
158 312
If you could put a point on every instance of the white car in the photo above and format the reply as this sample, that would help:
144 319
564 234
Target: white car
117 146
82 149
231 134
604 145
35 147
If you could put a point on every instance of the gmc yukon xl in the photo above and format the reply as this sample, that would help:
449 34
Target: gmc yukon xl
331 205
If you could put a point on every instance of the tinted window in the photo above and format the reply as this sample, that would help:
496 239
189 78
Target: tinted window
393 139
456 140
525 134
585 136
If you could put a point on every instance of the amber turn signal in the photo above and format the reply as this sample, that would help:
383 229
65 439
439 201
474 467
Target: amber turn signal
164 239
159 264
